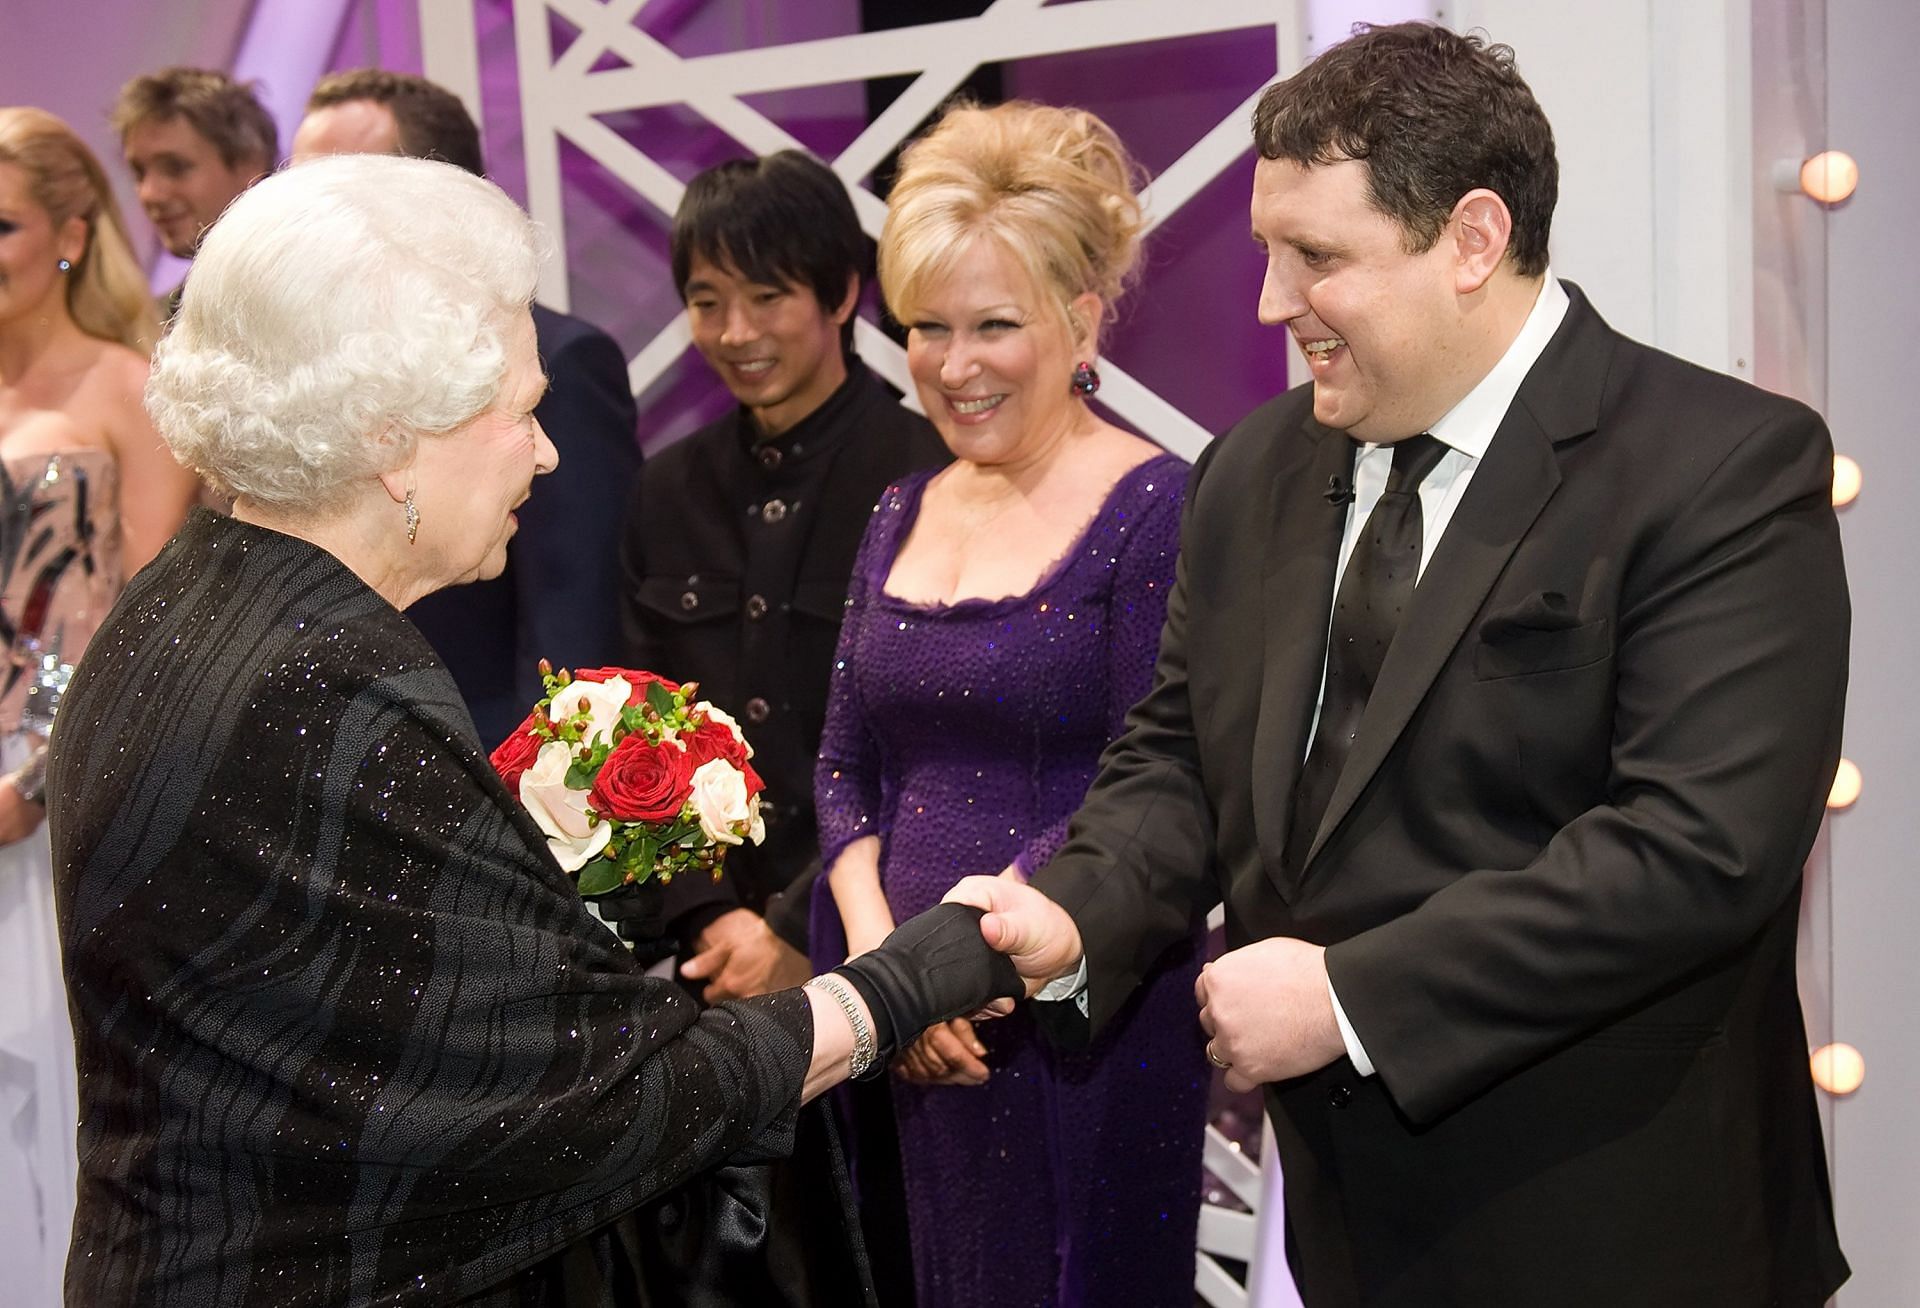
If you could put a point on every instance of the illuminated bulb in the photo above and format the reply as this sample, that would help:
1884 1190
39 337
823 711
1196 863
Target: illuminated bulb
1846 785
1846 480
1838 1068
1829 176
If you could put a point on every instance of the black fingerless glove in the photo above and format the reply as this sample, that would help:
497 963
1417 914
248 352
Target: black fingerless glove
933 967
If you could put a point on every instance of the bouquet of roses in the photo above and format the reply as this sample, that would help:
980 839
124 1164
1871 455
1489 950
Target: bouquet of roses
631 777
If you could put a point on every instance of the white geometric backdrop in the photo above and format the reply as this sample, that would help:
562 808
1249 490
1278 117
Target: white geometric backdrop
561 98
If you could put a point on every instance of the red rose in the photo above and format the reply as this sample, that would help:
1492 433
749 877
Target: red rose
638 680
711 740
516 753
641 782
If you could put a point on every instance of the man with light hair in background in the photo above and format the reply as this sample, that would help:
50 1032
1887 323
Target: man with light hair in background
193 138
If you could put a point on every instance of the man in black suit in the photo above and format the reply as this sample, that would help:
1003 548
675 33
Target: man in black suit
559 597
1498 699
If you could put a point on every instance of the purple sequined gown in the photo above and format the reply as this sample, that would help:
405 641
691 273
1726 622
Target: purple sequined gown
965 736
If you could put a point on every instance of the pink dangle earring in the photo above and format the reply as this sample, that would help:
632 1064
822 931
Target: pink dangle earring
1085 380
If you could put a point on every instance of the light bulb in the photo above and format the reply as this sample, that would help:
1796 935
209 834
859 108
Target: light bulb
1846 785
1838 1068
1846 480
1830 176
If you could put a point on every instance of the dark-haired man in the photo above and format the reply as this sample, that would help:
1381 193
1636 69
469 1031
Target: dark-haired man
741 537
1499 695
739 544
559 596
193 138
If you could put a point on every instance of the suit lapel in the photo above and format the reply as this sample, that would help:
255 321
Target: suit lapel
1559 400
1303 548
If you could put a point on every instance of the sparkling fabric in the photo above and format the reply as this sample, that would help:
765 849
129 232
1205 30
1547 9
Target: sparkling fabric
347 1035
964 737
59 574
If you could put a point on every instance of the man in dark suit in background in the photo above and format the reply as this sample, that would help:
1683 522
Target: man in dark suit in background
559 597
1499 696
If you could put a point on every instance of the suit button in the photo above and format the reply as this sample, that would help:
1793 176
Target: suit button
773 511
689 601
758 710
1339 1096
769 457
756 607
668 1214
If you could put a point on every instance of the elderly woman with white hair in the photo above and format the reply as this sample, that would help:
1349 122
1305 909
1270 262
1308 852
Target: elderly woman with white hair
346 1032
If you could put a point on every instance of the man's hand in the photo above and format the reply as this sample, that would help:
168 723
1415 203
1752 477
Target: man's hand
1268 1011
1023 924
19 818
946 1054
739 956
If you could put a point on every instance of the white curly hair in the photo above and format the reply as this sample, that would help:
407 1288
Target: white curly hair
337 312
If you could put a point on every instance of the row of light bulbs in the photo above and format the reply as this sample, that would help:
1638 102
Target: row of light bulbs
1828 178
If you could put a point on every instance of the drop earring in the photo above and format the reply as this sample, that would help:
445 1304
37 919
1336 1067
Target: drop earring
413 519
1085 380
65 265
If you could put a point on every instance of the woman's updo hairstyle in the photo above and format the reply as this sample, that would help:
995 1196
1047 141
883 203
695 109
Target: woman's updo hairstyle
1055 187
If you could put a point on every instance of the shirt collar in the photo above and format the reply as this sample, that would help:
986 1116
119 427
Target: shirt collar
1469 426
814 432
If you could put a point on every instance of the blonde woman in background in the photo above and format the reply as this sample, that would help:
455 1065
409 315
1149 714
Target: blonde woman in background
88 492
1002 617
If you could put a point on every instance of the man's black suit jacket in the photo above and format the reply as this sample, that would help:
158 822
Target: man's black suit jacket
1559 880
559 597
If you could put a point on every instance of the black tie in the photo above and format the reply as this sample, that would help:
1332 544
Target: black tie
1373 593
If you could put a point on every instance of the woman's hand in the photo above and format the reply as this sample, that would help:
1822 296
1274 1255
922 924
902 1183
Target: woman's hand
946 1054
19 818
855 881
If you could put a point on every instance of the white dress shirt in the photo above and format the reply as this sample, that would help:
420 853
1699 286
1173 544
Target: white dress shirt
1466 430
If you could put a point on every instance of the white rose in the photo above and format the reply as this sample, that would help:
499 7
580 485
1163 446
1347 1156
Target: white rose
561 812
603 701
725 719
720 798
757 831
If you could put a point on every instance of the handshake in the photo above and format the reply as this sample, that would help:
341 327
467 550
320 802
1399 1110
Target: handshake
990 941
1026 926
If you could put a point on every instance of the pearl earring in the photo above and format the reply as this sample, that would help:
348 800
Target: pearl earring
66 265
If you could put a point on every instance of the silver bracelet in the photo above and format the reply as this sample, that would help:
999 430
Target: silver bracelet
864 1049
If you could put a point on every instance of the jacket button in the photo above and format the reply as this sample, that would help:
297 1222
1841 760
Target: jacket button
1339 1096
773 511
668 1215
689 601
756 607
769 457
758 710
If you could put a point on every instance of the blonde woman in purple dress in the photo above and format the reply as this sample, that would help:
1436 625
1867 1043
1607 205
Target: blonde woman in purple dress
1003 615
87 493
